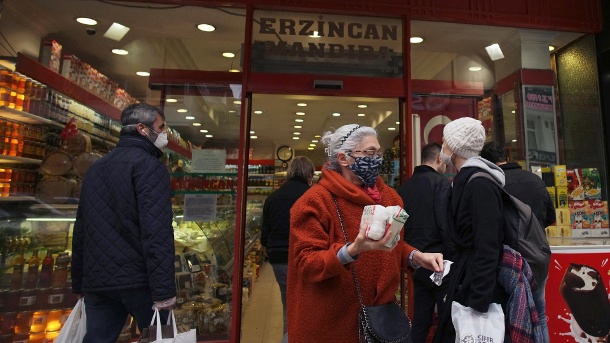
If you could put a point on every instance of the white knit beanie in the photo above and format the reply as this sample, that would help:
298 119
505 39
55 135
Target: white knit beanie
465 137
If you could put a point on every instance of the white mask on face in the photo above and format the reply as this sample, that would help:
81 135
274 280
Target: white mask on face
446 158
161 141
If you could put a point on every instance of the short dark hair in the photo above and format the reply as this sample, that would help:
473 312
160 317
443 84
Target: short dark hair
494 152
139 113
301 166
430 152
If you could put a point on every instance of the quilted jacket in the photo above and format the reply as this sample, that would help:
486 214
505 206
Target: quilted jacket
123 235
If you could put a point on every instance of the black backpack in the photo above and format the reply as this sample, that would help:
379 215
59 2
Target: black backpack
531 240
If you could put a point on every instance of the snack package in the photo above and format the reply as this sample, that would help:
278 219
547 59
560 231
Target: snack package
375 220
398 218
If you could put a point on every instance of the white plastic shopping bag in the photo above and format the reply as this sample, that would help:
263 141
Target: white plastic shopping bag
168 333
75 327
474 326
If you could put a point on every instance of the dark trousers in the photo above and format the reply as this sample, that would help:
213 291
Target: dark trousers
107 313
425 295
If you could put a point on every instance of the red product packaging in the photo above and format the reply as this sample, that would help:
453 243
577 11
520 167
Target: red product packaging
578 215
575 189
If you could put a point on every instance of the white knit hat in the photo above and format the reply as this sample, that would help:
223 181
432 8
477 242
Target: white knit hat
465 137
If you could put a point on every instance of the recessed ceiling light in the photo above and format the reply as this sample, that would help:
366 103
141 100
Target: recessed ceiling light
258 112
232 111
314 141
416 40
312 144
252 132
301 104
182 110
474 68
143 73
295 138
336 114
196 124
120 52
234 70
228 54
310 148
363 106
495 52
171 100
551 48
299 120
318 136
361 114
300 113
514 140
209 136
203 131
513 111
391 128
87 21
237 102
206 27
296 133
116 31
315 34
189 117
397 123
254 137
298 127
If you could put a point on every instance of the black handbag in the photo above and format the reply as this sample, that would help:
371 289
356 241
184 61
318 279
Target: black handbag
385 323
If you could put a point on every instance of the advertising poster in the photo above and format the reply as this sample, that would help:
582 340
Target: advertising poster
577 290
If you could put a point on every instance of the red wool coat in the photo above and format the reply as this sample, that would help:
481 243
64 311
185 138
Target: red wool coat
322 302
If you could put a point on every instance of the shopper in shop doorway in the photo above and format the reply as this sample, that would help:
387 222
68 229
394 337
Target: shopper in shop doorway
425 197
322 299
531 190
123 245
276 220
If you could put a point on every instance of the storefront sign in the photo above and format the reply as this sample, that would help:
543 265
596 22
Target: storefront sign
311 43
539 98
540 125
577 304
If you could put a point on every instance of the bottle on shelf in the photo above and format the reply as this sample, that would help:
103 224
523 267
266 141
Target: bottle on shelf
60 274
46 271
17 276
32 276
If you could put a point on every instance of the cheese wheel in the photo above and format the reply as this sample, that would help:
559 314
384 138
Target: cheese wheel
55 189
56 163
83 161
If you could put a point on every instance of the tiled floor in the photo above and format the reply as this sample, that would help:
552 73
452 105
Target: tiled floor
262 318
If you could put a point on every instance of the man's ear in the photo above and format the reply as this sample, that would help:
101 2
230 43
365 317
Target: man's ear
439 160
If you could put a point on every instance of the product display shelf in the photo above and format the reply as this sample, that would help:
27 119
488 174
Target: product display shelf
17 159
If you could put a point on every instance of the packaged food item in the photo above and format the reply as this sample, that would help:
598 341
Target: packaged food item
551 231
561 179
597 213
578 215
562 216
575 189
50 55
562 197
564 231
591 183
553 195
374 219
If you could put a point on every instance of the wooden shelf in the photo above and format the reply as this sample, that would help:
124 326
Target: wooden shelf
16 159
25 117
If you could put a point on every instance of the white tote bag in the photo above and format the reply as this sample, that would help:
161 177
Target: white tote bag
474 326
189 336
75 327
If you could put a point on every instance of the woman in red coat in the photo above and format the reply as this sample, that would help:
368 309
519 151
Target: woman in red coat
322 301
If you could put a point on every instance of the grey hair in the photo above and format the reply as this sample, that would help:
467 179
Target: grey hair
301 166
139 113
345 138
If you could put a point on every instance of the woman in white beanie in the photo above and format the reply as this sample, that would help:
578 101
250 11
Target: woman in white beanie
476 224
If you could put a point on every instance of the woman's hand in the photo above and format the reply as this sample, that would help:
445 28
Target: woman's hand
432 261
362 244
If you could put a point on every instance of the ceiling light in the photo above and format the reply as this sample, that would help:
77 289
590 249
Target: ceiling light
301 104
206 27
363 106
391 128
318 136
116 31
298 127
87 21
182 110
551 48
296 133
232 111
120 52
228 54
336 114
416 40
299 120
300 113
361 114
254 137
315 34
189 117
310 148
234 70
312 144
143 73
513 111
203 131
474 68
295 138
494 52
258 112
314 141
514 140
171 100
252 132
397 123
237 102
209 136
196 124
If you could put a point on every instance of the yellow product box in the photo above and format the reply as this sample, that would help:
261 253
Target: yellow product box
551 231
564 230
561 176
553 195
562 197
562 216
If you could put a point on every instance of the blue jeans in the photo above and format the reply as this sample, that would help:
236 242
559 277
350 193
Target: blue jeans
107 313
281 271
540 306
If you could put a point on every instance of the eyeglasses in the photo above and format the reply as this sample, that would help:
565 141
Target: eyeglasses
368 152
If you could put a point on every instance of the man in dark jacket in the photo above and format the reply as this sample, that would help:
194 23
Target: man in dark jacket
123 244
276 219
425 197
530 189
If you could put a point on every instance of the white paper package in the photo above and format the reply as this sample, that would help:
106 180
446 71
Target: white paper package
378 219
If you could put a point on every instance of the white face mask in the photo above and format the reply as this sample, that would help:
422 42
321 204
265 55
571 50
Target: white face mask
161 141
446 158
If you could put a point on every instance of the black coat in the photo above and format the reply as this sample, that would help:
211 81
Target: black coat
276 218
530 189
123 235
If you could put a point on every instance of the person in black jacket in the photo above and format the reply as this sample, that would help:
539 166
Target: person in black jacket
475 213
530 189
425 197
276 219
123 244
